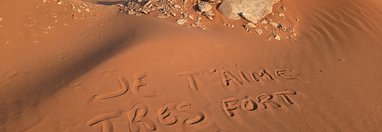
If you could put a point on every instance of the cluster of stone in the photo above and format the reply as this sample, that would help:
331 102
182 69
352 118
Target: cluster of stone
192 12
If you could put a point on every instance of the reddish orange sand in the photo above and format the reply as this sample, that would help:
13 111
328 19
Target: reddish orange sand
67 71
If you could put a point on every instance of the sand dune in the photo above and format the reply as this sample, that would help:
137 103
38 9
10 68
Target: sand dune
83 66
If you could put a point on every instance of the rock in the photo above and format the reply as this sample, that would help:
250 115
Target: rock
274 24
251 10
264 22
181 21
248 26
205 9
281 14
277 37
214 1
251 25
177 6
204 6
259 31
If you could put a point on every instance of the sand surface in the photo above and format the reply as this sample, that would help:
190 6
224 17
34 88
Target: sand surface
65 70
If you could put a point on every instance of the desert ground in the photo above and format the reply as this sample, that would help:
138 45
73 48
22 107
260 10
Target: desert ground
173 66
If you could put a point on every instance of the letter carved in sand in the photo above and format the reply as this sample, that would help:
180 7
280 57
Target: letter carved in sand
105 119
139 120
263 101
137 86
167 116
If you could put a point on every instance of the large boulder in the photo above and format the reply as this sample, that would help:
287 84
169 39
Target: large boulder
251 10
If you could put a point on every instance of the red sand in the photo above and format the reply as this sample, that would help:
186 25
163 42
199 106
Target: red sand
64 70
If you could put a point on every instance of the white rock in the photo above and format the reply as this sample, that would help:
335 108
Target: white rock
274 24
204 6
259 31
277 37
181 21
251 10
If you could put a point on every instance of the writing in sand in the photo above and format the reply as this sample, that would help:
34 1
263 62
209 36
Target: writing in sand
183 113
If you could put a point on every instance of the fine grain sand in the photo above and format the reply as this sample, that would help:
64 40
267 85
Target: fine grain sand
64 70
